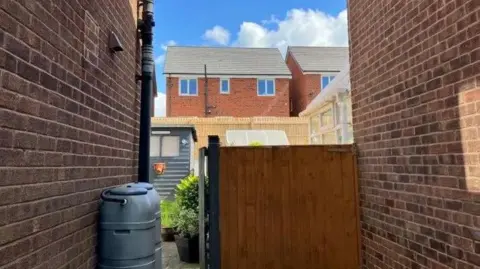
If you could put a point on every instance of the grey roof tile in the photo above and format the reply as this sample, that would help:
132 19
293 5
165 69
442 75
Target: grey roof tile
317 59
225 61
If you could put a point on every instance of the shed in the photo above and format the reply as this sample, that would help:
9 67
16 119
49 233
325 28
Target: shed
171 148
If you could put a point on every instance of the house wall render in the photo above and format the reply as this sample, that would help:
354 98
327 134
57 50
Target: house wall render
416 117
68 125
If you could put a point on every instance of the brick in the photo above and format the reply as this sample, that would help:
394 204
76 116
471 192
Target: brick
434 107
44 222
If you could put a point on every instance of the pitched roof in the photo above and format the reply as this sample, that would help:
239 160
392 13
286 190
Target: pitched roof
225 61
318 59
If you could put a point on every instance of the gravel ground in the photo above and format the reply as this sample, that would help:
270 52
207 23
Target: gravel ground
170 258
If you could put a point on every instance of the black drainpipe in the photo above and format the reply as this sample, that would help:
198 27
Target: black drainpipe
146 30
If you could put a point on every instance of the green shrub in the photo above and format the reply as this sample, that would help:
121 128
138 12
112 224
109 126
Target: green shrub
169 211
187 193
255 144
186 222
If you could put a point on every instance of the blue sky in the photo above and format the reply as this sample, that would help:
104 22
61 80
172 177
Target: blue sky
246 23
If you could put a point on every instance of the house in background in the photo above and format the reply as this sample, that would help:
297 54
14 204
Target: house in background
313 68
171 145
217 81
330 112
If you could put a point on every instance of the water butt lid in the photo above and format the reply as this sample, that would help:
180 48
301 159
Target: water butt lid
128 191
144 185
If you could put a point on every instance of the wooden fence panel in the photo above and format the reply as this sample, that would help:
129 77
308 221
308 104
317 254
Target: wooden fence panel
288 207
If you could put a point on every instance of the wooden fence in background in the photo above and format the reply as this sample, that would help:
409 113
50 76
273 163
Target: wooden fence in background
288 207
295 128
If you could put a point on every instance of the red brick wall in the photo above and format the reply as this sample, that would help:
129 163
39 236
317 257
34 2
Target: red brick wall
242 101
415 73
303 88
68 126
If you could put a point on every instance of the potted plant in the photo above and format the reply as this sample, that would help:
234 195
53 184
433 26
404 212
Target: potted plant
186 221
187 239
169 209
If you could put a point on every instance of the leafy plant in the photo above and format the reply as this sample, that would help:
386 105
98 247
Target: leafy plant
186 222
255 144
169 210
187 193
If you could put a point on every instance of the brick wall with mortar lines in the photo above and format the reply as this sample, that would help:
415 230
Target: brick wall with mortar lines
242 101
68 125
415 73
303 88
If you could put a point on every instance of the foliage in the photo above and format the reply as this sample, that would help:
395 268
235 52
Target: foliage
169 211
186 198
186 222
187 193
255 144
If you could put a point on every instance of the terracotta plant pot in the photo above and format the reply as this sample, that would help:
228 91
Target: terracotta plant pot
168 234
188 248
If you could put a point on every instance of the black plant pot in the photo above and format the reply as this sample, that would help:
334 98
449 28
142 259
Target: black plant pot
188 248
168 234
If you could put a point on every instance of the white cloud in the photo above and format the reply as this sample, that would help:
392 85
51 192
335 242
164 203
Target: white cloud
161 58
160 105
217 34
300 27
169 43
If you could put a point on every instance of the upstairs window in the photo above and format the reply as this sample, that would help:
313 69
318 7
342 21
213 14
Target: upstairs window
326 79
266 87
188 87
224 86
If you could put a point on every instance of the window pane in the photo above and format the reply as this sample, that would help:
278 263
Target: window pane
325 81
261 87
314 125
332 78
316 140
170 146
329 138
192 87
225 86
184 86
327 118
154 146
270 88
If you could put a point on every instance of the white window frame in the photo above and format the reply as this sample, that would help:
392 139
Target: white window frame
334 127
258 88
188 86
228 82
329 75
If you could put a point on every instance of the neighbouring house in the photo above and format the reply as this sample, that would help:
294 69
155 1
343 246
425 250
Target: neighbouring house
414 71
172 146
313 68
68 125
218 81
330 112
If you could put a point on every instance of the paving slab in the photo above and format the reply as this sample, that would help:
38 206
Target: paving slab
171 260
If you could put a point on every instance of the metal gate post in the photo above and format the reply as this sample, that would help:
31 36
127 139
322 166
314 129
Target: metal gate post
201 210
213 169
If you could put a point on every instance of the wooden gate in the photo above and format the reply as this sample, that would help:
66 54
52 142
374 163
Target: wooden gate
287 207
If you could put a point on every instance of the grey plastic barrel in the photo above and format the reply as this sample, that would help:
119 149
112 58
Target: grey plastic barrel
155 203
126 237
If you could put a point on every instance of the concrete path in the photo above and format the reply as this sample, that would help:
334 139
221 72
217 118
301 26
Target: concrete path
170 258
